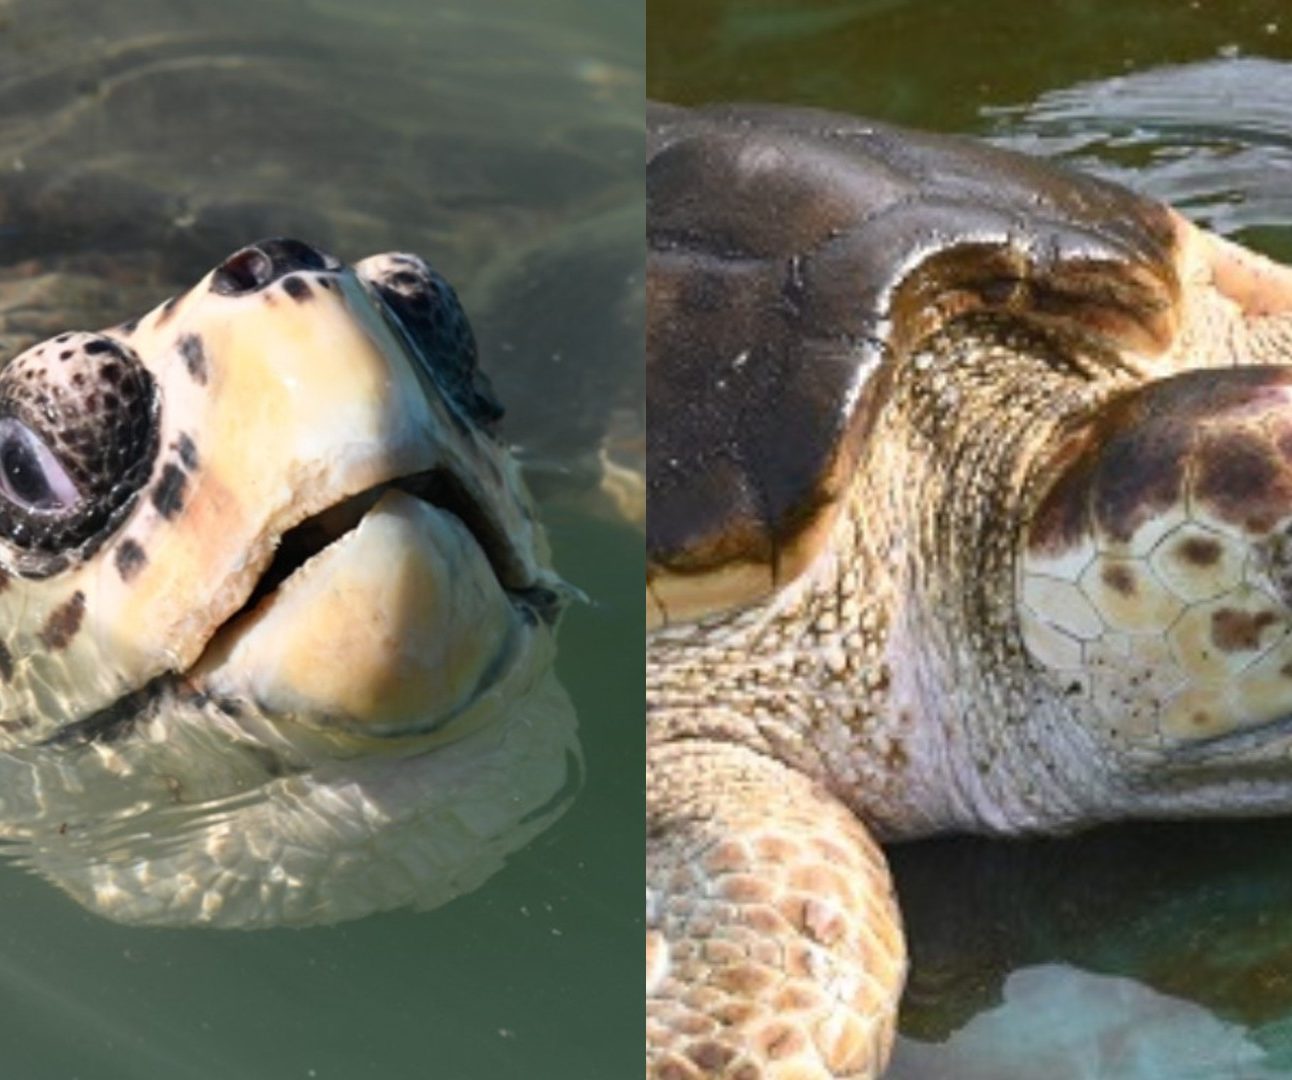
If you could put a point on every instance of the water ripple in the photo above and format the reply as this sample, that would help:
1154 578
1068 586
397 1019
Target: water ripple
1213 138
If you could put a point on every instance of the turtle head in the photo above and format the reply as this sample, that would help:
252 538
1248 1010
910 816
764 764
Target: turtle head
282 487
1155 586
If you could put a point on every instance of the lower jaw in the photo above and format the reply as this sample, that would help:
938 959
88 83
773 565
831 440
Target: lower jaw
397 625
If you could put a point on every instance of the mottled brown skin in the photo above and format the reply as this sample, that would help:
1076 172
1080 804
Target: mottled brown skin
943 533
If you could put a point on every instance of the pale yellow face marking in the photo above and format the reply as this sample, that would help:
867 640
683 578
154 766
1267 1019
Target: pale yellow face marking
1052 646
1184 641
1128 596
1201 712
1063 605
1262 689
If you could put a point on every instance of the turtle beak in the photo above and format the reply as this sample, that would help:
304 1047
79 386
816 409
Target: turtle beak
400 626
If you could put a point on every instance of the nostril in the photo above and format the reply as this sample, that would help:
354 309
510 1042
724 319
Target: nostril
260 264
242 272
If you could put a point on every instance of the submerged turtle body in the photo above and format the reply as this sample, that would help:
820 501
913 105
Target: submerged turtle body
278 618
969 495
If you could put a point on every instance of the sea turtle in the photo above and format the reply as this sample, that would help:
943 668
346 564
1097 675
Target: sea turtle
969 488
278 620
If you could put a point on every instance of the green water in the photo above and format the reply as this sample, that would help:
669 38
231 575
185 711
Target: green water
1147 951
139 143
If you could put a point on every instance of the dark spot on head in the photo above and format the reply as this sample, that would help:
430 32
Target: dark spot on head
297 288
6 662
1139 475
1128 463
129 327
168 495
1119 578
326 282
1198 551
187 451
1239 631
63 338
194 354
63 622
1241 478
130 558
100 345
66 354
111 374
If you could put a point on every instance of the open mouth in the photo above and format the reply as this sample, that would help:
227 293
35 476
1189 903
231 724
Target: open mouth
440 487
534 599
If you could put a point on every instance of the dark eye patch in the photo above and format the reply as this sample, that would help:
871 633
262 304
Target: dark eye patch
25 480
78 438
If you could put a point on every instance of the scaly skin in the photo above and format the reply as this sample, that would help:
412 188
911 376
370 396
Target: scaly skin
901 685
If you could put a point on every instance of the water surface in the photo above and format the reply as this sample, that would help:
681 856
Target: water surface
1145 951
139 144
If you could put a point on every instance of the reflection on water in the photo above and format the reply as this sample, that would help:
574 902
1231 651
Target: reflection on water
1213 138
1081 1027
1195 913
1135 951
138 144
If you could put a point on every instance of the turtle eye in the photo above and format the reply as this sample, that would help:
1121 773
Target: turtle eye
30 475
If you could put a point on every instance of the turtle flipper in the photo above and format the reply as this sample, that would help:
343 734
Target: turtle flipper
774 945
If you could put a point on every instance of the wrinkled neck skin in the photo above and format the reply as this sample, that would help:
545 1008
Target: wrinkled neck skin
894 671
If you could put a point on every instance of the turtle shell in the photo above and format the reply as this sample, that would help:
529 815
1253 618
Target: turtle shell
791 255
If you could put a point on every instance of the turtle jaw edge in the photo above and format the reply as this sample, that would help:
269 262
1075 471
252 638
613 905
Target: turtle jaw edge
391 612
438 486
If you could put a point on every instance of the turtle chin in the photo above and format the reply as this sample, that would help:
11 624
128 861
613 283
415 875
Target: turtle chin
398 625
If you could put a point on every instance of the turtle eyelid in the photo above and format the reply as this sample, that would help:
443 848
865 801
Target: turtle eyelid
31 476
